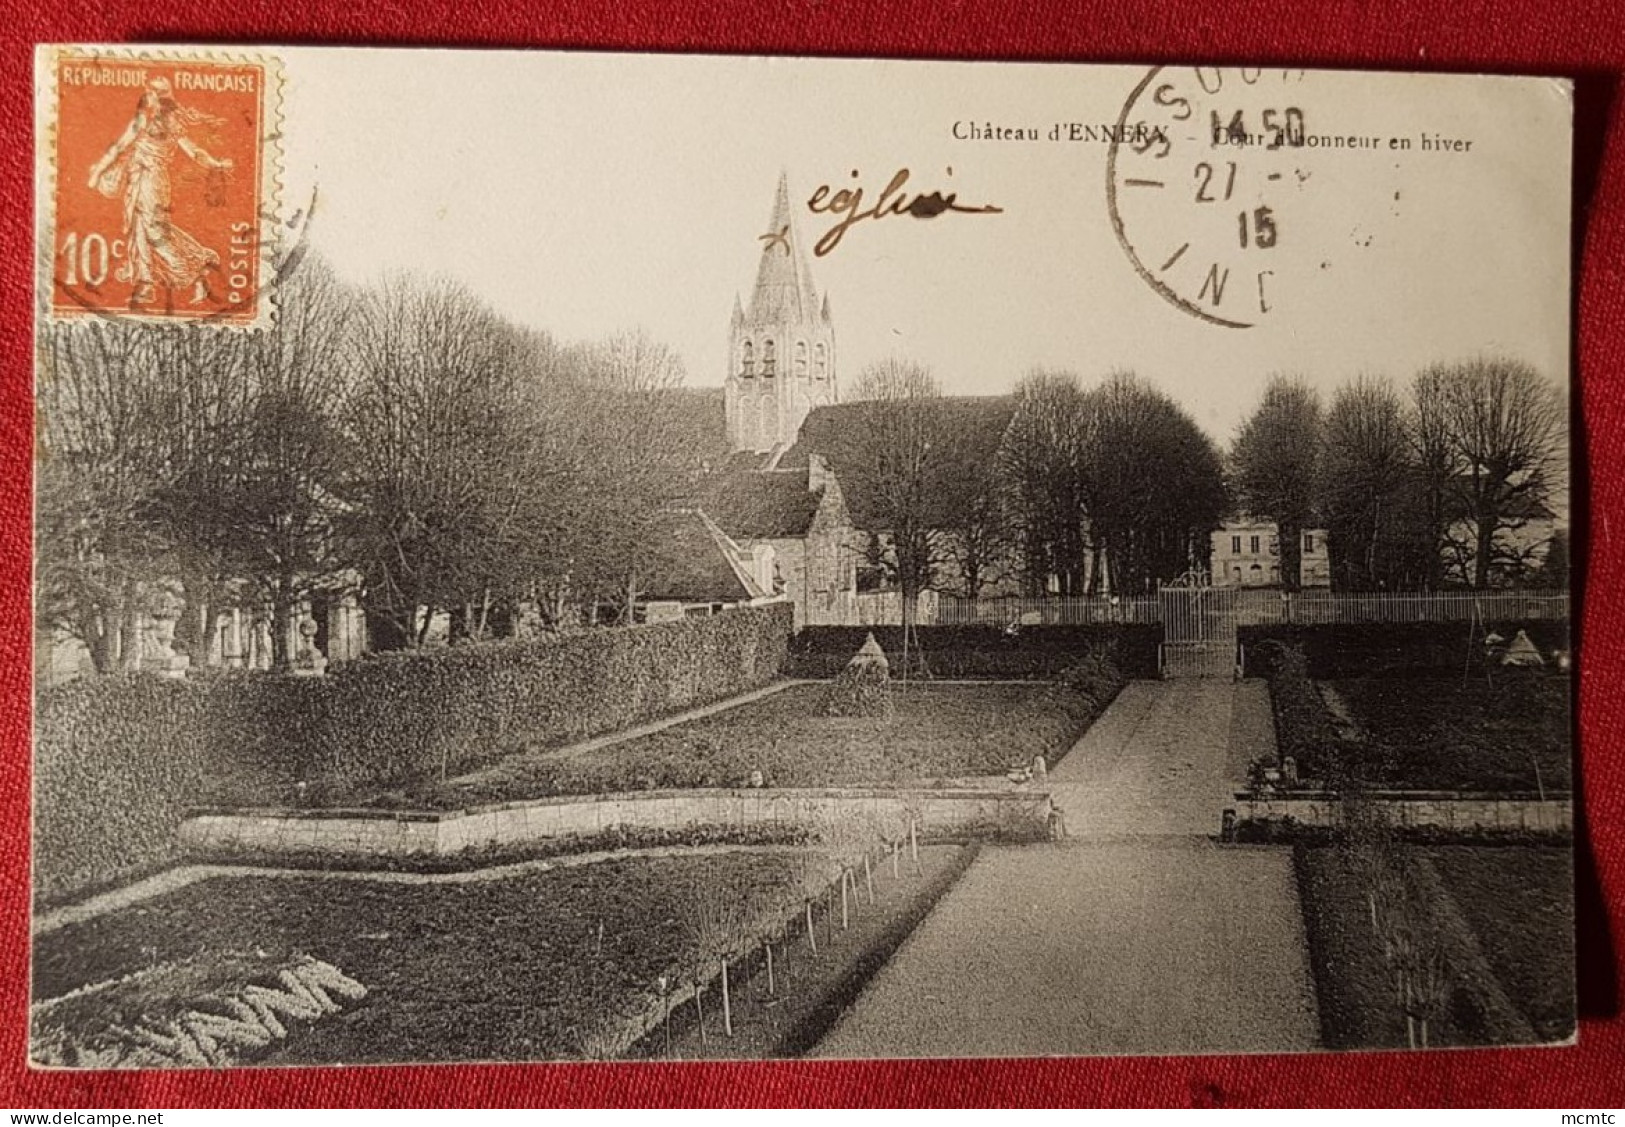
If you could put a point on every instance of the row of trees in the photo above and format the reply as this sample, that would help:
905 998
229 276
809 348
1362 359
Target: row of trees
1114 487
1111 486
404 436
1435 486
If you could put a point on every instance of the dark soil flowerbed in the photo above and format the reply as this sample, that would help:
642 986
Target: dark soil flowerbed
935 731
1516 959
1520 902
519 968
1505 732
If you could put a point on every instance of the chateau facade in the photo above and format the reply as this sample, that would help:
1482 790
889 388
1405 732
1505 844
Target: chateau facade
781 346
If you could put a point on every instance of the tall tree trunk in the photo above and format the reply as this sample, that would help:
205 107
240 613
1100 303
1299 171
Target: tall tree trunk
101 636
281 623
130 640
191 628
1291 538
1484 540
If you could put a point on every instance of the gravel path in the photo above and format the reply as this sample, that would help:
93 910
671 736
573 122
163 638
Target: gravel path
1136 935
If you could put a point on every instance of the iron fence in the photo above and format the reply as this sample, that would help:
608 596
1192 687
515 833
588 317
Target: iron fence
1248 607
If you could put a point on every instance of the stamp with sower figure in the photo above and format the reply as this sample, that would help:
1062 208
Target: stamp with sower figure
163 182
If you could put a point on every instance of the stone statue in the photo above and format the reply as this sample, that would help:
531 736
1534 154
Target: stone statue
158 654
308 661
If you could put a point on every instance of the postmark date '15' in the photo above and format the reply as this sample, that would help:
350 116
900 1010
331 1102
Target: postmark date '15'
1198 201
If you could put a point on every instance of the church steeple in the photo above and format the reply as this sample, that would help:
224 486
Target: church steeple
784 288
781 344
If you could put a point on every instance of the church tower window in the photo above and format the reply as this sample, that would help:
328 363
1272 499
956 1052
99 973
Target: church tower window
783 307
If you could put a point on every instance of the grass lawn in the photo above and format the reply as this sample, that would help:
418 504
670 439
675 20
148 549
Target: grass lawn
1441 733
936 731
503 969
1515 902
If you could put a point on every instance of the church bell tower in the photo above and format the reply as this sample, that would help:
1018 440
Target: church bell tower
781 347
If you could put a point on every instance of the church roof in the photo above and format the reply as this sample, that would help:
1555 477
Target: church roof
694 563
971 426
700 415
760 505
784 288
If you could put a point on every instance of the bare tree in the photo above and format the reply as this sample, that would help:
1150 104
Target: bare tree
1153 481
896 453
258 458
1438 465
1502 426
972 504
1374 508
1275 466
102 414
442 435
1043 461
633 460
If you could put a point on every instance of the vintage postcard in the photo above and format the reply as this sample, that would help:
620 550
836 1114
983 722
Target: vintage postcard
573 556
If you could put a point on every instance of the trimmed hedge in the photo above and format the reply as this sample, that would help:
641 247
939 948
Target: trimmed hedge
1337 651
1036 652
119 760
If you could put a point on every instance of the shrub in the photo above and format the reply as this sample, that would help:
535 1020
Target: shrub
119 760
863 688
1037 652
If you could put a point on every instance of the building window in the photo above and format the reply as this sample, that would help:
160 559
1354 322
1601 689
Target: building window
1309 542
801 359
747 360
1252 545
1235 545
769 358
820 363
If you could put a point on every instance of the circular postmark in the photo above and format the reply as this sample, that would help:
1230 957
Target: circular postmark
1200 176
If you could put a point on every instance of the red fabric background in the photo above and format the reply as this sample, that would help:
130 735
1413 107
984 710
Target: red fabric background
1585 40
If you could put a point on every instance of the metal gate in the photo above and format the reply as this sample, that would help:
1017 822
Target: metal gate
1198 631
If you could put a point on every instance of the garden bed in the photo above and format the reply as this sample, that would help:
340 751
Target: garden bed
936 731
527 967
1520 903
1387 649
1503 921
1508 730
788 1012
1497 730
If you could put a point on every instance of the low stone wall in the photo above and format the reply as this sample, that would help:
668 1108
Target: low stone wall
1018 814
1440 810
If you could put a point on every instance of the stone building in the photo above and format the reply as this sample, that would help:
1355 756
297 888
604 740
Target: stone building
697 570
1247 553
799 518
781 346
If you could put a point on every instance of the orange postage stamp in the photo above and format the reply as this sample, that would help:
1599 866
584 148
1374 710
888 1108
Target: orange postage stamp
163 175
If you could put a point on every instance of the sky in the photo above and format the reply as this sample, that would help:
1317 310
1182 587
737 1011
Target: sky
585 194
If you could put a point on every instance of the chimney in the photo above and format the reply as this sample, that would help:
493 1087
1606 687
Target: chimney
817 473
